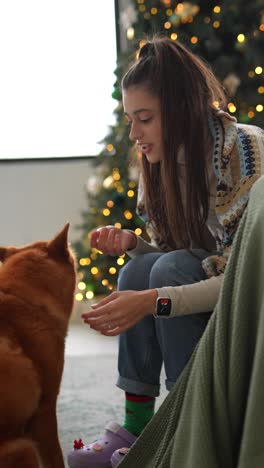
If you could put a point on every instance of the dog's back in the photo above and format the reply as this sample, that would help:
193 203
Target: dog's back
37 285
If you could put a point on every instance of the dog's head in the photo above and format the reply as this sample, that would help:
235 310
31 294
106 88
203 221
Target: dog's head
43 265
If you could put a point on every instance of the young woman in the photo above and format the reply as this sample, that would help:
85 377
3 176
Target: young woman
197 168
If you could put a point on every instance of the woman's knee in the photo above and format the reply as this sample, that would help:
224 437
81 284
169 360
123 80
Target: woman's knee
135 274
177 268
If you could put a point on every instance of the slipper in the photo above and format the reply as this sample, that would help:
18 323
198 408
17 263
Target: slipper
118 456
98 453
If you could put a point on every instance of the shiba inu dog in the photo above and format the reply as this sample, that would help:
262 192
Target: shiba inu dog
37 284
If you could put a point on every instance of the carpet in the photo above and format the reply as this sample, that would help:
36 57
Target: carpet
89 398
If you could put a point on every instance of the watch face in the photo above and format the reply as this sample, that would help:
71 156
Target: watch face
163 306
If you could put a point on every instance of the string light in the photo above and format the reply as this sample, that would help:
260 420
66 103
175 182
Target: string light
116 175
138 231
130 33
120 261
128 214
110 203
216 24
112 270
174 36
259 108
154 11
261 90
142 8
84 261
261 27
167 25
79 297
251 114
82 286
132 184
94 270
251 74
194 40
118 225
106 212
130 193
169 12
109 148
231 107
89 294
108 181
105 282
258 70
94 254
216 9
241 38
119 188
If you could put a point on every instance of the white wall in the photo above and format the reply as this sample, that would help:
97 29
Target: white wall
37 197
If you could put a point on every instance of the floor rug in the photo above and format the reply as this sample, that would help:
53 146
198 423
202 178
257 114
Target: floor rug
89 398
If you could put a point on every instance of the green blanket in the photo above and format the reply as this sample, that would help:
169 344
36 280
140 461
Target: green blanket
214 415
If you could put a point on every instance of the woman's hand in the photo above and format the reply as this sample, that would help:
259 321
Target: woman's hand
120 310
112 241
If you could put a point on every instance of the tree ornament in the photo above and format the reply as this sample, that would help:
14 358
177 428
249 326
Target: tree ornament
94 184
128 17
231 83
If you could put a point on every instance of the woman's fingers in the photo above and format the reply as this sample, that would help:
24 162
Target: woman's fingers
116 331
97 321
118 312
107 323
104 301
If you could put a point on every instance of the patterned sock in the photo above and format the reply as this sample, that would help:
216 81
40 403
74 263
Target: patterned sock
139 411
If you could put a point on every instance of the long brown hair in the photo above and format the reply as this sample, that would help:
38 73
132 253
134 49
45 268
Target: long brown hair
187 89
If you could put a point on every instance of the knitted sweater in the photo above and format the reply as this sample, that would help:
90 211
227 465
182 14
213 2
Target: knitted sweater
238 161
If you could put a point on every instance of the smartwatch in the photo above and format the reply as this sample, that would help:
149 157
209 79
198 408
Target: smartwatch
163 307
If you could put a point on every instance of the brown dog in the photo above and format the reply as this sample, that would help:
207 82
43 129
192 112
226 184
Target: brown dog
37 285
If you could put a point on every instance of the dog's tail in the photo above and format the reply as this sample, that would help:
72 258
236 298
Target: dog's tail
19 453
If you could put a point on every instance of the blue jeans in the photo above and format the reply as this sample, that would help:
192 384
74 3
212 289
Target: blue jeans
152 341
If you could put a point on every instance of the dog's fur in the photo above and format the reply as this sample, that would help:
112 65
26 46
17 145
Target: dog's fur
37 285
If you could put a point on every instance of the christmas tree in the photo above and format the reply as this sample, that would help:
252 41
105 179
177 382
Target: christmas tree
229 35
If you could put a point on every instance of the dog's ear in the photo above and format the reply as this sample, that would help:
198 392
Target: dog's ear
6 252
2 253
58 246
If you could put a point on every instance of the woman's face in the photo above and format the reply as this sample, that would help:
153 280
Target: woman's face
142 110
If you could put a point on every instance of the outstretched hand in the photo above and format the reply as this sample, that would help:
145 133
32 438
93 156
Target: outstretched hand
120 311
